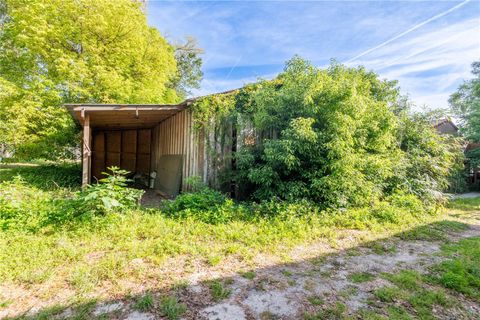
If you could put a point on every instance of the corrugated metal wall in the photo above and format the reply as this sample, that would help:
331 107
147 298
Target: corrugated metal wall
207 153
176 136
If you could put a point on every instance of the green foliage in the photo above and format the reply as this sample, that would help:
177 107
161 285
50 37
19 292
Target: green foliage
398 313
218 290
28 208
466 104
33 202
332 136
461 272
250 275
144 303
60 51
339 137
39 197
315 300
205 205
171 308
467 204
111 194
415 291
405 279
429 158
388 294
435 232
213 109
189 67
46 237
336 312
360 277
44 176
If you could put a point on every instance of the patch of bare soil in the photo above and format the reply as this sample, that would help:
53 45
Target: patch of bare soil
286 290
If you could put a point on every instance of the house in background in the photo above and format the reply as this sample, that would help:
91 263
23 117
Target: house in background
446 126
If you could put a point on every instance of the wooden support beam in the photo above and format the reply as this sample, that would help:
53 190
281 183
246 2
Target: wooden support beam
87 153
103 107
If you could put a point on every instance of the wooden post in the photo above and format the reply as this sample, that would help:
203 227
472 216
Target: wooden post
86 156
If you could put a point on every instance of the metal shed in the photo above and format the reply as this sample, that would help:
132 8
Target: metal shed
154 142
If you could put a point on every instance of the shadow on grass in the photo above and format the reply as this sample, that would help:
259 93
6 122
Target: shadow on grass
466 204
264 293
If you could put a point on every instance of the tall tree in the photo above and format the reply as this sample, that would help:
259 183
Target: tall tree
465 104
340 137
189 64
59 51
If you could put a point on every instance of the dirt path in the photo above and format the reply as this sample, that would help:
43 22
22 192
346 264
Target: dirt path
289 291
286 292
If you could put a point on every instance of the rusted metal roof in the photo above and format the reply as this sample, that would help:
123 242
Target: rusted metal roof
123 116
113 116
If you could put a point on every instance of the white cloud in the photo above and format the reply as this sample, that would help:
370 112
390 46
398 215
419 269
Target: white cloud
429 64
429 61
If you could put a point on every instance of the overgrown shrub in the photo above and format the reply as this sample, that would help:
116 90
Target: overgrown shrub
428 159
45 175
339 137
203 204
111 194
25 207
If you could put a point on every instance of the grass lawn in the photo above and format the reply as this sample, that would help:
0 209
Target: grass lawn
55 263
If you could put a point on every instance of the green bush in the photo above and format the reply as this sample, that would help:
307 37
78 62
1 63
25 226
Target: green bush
340 137
205 205
428 159
44 175
111 194
461 271
172 309
24 207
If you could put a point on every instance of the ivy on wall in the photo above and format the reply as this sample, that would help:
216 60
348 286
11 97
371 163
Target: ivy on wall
213 109
338 136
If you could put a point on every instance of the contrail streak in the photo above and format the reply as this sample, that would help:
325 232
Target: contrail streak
409 30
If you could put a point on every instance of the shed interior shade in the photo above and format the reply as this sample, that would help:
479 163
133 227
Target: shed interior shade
106 116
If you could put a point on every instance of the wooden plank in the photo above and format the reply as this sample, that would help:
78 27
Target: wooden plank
114 141
140 108
113 159
98 154
86 151
129 161
143 163
111 127
144 141
129 141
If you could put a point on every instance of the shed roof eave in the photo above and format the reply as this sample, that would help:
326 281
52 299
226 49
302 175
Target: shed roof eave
123 115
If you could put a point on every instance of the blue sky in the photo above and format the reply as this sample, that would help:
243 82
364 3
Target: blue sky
427 46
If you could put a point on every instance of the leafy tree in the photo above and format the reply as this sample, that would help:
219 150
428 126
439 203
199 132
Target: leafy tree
465 104
340 137
189 64
59 51
429 160
332 135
